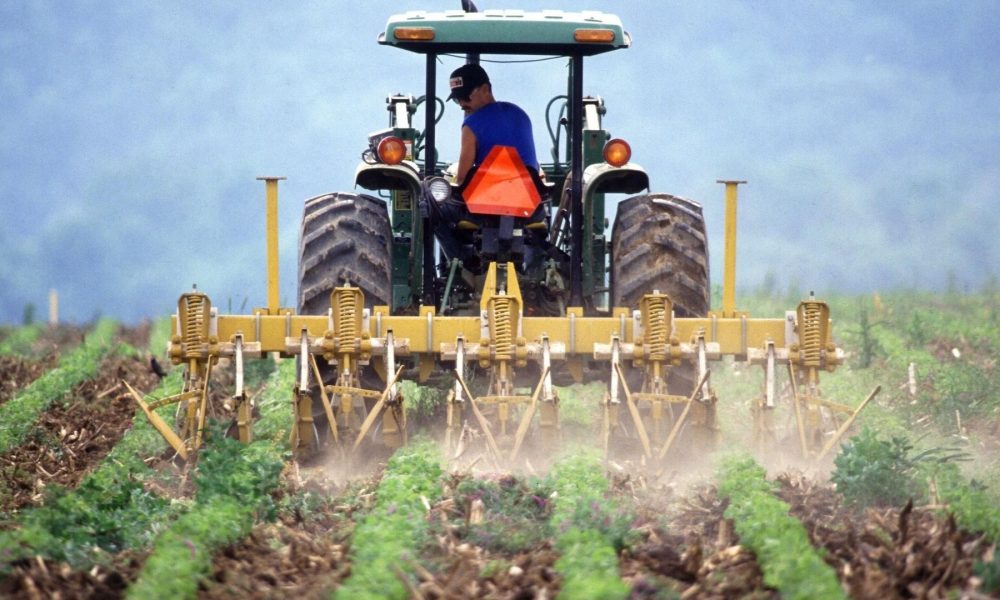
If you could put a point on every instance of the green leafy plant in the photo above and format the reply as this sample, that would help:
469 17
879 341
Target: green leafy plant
516 512
969 501
273 404
18 340
396 527
872 471
234 489
589 529
965 388
989 572
785 554
868 344
109 511
421 402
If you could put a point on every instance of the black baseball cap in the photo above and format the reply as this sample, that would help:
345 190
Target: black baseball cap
465 79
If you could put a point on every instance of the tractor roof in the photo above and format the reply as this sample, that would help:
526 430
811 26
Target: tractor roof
549 32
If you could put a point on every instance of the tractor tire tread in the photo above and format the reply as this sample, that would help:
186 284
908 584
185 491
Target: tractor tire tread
344 237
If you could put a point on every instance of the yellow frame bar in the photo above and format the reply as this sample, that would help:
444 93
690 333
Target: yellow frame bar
425 333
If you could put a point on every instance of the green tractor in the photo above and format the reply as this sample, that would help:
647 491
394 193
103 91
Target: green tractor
381 241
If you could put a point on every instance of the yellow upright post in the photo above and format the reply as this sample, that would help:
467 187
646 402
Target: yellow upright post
273 288
729 275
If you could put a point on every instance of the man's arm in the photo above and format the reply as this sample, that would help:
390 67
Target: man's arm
467 154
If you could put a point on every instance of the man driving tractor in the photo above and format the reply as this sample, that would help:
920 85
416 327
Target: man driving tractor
487 122
497 138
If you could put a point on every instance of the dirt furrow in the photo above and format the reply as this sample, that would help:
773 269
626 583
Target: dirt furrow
74 435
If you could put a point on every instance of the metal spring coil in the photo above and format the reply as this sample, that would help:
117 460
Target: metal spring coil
811 334
347 308
657 336
503 342
194 325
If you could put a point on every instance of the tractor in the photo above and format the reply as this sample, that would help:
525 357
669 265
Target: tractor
516 293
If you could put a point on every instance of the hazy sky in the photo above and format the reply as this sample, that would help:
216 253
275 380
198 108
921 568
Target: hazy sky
131 134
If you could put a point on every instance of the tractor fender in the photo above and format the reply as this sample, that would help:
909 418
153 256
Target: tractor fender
604 178
402 177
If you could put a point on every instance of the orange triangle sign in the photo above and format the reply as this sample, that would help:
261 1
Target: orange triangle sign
502 185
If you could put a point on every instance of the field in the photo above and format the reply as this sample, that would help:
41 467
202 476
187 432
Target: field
92 505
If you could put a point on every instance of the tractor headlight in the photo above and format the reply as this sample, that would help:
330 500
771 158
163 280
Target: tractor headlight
439 188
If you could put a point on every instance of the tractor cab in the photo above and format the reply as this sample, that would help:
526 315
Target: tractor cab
551 226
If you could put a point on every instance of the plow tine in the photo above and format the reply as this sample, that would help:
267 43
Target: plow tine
204 405
606 424
331 420
168 434
481 419
376 410
522 428
843 428
680 421
634 411
798 412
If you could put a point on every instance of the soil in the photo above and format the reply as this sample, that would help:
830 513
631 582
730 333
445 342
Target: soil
74 435
886 553
39 579
17 372
684 546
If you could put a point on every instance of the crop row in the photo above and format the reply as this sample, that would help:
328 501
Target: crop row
109 510
20 413
590 529
780 542
114 509
234 487
390 536
19 340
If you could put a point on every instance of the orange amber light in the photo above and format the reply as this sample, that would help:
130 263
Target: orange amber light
617 152
391 150
411 34
599 36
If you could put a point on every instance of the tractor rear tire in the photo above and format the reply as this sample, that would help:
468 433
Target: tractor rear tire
659 243
345 238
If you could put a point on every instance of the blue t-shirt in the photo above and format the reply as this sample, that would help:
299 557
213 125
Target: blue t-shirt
502 124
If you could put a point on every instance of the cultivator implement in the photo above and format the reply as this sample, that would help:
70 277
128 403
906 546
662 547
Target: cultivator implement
642 345
636 351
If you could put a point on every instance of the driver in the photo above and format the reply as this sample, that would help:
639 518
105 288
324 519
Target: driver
487 122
